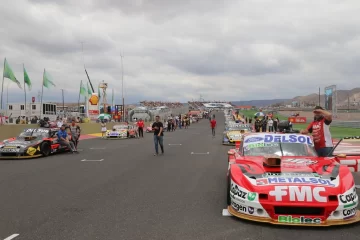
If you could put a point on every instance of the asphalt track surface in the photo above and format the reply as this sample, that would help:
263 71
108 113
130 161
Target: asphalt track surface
132 194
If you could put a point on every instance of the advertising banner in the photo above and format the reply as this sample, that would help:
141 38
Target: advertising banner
297 119
94 107
331 99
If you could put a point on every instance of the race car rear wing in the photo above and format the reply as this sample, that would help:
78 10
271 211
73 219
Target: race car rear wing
352 139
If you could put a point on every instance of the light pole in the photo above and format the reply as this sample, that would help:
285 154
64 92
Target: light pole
122 88
63 101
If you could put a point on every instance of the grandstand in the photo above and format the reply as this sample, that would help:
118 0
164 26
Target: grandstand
195 105
157 104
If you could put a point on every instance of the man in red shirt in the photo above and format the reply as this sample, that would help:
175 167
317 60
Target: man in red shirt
140 124
320 129
213 125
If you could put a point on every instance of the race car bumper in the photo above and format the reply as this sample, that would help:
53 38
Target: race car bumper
327 223
115 138
20 156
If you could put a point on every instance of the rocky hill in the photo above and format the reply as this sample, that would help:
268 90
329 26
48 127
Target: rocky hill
343 97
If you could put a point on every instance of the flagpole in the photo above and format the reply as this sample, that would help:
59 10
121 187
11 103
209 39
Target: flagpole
2 87
79 98
24 89
42 92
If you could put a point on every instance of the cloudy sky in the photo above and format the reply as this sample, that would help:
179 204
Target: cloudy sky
176 50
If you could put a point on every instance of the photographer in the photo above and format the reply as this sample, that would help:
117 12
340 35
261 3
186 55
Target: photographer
320 129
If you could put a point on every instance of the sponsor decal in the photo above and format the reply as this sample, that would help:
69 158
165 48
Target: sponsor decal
298 220
37 130
251 210
31 151
238 207
254 139
296 180
259 145
236 191
353 137
348 213
299 193
285 138
299 161
290 174
262 181
251 196
349 199
10 150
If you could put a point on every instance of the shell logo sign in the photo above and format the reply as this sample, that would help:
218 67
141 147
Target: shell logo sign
94 99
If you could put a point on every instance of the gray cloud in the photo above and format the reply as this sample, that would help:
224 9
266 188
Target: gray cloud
177 50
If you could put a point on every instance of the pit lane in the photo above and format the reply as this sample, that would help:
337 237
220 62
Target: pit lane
134 195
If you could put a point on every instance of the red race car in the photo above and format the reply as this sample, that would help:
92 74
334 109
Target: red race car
279 179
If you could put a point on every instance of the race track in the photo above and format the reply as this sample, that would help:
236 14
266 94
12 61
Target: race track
131 194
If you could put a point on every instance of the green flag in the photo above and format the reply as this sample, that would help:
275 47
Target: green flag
47 80
27 79
82 89
89 90
8 73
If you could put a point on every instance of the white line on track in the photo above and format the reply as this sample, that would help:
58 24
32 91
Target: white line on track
12 236
85 160
200 153
226 213
175 144
96 148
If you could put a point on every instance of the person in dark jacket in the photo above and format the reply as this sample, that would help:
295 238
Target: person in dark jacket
257 124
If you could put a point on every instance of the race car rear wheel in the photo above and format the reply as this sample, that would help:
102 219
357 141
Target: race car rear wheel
228 198
45 149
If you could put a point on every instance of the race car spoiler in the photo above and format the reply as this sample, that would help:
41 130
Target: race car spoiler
352 139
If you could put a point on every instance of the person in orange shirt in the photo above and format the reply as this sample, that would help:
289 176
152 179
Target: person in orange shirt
140 124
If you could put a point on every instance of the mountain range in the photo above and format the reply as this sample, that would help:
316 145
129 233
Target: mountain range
344 97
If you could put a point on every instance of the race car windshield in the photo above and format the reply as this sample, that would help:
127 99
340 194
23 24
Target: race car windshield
291 145
33 134
288 149
120 127
238 128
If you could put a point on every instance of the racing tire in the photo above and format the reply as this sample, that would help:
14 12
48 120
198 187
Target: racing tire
228 198
45 149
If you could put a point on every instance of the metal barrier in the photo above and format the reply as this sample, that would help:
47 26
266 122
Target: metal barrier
347 124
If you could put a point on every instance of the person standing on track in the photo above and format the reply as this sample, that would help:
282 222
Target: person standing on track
158 135
140 124
320 129
213 125
75 131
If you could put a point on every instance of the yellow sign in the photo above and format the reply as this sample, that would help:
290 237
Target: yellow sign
31 151
94 99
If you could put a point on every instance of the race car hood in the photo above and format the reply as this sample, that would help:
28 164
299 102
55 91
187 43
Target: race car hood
258 174
234 135
20 143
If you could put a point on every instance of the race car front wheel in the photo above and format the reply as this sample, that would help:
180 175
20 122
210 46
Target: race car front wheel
45 149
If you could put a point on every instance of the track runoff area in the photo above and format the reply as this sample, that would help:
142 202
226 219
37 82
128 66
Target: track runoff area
119 190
